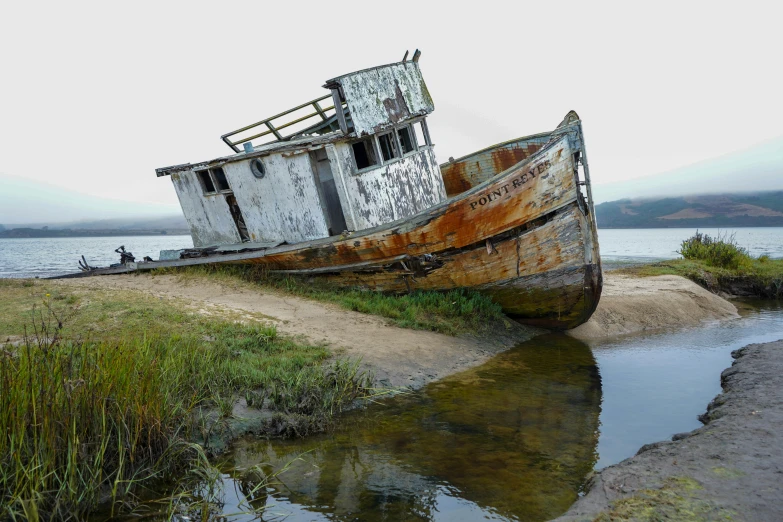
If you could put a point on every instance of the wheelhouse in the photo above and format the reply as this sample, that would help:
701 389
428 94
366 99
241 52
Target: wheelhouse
365 160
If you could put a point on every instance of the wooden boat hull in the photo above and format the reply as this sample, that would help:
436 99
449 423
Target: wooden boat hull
525 237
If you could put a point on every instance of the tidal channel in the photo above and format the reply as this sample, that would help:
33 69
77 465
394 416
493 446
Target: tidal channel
513 439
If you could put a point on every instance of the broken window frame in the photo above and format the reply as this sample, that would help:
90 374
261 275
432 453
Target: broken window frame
213 179
411 138
375 151
375 142
395 145
424 131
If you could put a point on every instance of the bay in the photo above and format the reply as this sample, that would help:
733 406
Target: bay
627 245
43 257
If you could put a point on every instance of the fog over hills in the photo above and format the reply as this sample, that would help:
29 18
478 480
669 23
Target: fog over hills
759 168
759 209
28 204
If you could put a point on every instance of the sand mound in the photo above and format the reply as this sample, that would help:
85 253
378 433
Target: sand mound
636 304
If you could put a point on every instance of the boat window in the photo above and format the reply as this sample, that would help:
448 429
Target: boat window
406 139
258 169
206 181
388 146
364 154
421 133
220 179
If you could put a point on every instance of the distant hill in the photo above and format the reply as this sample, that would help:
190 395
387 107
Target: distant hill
761 209
154 226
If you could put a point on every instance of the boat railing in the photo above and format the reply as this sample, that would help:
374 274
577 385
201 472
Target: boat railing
326 119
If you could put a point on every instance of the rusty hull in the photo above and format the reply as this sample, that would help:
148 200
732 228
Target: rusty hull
522 238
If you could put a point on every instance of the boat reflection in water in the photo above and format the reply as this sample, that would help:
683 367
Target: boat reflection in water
511 439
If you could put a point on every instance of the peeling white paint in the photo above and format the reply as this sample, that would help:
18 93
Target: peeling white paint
283 205
209 218
288 205
381 97
393 191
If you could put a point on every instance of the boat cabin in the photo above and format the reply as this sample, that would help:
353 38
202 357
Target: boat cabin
358 157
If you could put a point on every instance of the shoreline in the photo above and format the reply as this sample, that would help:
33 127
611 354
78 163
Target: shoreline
406 358
398 357
730 468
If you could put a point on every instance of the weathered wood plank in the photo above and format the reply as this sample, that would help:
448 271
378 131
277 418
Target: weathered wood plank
468 171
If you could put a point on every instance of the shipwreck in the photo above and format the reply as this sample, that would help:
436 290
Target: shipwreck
347 188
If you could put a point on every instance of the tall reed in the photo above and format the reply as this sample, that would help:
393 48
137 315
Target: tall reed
84 423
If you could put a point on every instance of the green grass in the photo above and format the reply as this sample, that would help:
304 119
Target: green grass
676 500
101 395
719 264
452 312
721 251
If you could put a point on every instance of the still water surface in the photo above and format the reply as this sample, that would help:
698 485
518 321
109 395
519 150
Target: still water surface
654 244
52 256
510 440
42 257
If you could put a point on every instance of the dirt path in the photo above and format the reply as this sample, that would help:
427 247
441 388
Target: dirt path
398 356
729 469
403 357
636 304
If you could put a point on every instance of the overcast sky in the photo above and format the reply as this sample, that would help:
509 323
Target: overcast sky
95 96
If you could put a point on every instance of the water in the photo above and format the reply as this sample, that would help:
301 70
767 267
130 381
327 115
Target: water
513 439
42 257
623 246
656 385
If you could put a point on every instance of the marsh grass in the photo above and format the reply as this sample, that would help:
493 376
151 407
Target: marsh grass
91 414
450 312
721 251
720 264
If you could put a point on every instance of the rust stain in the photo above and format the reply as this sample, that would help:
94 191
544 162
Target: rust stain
504 159
455 178
455 225
464 175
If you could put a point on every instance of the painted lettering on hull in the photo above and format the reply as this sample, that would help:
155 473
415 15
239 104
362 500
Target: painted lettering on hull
515 183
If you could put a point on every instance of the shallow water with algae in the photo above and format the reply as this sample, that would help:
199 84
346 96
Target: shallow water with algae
512 439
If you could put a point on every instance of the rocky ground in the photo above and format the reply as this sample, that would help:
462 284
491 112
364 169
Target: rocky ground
729 469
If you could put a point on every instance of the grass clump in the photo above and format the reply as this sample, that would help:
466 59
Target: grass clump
452 312
720 265
93 415
719 251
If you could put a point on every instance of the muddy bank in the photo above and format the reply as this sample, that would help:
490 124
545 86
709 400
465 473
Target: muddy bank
398 357
636 304
730 468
